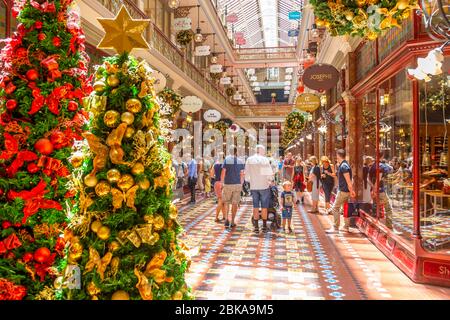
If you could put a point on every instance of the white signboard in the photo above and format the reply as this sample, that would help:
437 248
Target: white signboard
237 96
180 24
202 51
215 68
212 115
191 104
225 80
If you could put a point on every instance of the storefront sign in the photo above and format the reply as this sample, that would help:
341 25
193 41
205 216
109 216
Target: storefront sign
320 77
241 41
225 80
307 102
237 96
293 33
215 68
202 51
191 104
232 18
212 115
438 270
180 24
294 15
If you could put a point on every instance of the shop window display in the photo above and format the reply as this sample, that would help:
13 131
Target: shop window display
434 152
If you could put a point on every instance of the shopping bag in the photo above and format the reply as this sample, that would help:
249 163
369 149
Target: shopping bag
351 209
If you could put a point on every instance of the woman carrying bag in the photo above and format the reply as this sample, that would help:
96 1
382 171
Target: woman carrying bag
327 178
314 184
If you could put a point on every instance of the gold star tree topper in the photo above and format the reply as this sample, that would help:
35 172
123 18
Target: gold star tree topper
123 33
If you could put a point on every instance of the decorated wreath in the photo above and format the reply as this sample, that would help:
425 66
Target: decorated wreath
215 76
230 91
222 126
365 18
171 98
293 126
184 37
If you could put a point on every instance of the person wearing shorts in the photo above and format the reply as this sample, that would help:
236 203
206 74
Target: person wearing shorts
287 204
259 173
216 173
232 177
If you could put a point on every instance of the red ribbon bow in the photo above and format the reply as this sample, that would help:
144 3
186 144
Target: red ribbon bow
10 291
34 200
10 243
12 148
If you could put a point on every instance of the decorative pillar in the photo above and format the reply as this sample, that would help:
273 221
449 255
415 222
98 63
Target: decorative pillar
316 147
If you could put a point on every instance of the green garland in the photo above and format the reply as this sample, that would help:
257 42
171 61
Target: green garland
365 18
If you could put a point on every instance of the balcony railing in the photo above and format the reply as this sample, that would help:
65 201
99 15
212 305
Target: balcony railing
265 53
263 110
160 42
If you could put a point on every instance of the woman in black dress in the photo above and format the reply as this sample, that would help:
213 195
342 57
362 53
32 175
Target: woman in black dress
327 175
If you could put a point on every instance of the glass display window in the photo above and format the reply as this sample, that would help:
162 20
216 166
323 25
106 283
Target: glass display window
434 101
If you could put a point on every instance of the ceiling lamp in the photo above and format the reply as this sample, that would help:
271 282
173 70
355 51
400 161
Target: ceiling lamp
287 88
214 59
289 70
198 37
174 4
288 77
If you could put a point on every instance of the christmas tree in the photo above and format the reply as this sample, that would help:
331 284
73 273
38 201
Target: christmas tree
42 83
124 228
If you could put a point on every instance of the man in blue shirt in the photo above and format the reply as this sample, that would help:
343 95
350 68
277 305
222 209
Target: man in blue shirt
345 191
192 178
383 198
232 177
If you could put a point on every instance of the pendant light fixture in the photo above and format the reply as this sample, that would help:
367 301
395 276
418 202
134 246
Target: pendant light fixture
174 4
214 57
198 37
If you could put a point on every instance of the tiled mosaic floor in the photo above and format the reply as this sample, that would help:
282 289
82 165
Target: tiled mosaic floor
307 264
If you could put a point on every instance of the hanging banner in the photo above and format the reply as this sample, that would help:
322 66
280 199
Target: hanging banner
212 115
238 35
215 68
320 77
307 102
232 18
191 104
180 24
293 33
294 15
241 41
202 51
225 80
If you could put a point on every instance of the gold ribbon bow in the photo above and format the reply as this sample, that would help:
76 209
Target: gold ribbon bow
96 261
143 285
128 197
97 148
114 141
138 235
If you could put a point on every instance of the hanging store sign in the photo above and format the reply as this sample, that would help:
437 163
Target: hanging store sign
238 35
212 115
320 77
294 15
180 24
225 80
232 18
215 68
191 104
307 102
293 33
237 96
201 51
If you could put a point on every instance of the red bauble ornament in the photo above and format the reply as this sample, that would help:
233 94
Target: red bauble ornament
10 88
56 41
32 74
44 146
11 104
27 257
300 89
32 167
38 24
17 224
6 224
41 36
72 106
42 254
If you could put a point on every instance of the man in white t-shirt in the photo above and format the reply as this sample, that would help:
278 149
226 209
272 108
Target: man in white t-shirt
259 173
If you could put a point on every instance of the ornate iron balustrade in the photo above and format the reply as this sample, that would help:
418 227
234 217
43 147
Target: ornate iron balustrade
263 110
265 53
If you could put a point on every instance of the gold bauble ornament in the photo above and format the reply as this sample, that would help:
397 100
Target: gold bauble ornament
95 226
361 3
133 105
405 14
125 182
144 184
113 81
90 180
349 15
103 233
113 175
111 118
320 23
138 168
158 222
177 295
99 86
129 133
120 295
102 188
76 161
113 246
127 117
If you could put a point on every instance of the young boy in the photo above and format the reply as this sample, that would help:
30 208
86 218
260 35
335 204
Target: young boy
286 204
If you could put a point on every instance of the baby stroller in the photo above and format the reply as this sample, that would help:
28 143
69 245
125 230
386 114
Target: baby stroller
272 213
245 189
